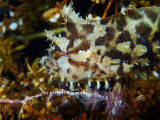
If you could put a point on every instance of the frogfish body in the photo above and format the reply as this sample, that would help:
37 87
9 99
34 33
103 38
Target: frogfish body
98 49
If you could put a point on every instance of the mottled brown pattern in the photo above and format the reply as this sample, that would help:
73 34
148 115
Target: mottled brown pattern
102 72
88 28
48 67
115 54
69 70
94 67
71 28
110 33
55 54
121 22
134 14
74 76
72 38
51 64
73 62
86 65
48 63
143 29
84 46
99 75
152 14
57 48
100 41
123 37
105 21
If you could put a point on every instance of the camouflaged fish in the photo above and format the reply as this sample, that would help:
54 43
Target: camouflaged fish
98 49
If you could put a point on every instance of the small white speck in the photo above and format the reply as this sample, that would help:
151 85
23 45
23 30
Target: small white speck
98 85
89 84
3 29
155 73
57 16
20 22
11 13
2 86
53 48
89 74
41 79
78 84
146 64
139 98
89 17
13 26
106 84
59 35
21 83
71 87
53 20
25 85
136 76
136 63
1 23
97 18
123 10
